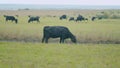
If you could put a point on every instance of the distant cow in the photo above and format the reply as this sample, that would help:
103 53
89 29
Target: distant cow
63 17
86 19
80 18
12 18
98 18
93 18
71 19
56 32
31 19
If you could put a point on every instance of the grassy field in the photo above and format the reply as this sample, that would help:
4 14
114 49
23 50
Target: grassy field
98 31
21 47
37 55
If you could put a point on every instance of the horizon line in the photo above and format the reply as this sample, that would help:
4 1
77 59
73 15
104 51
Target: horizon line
56 4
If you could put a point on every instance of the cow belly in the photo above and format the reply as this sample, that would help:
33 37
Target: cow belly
54 36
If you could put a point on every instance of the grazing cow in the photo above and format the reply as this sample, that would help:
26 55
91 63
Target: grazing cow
86 19
63 17
93 18
80 18
31 19
12 18
71 19
56 32
100 18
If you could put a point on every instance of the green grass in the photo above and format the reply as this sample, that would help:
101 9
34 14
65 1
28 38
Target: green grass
37 55
26 54
99 31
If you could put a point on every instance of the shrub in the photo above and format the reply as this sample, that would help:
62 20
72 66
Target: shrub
109 15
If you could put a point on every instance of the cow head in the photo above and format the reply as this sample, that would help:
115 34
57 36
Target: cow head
73 39
4 15
29 15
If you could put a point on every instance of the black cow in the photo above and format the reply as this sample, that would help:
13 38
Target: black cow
71 19
63 17
56 32
86 19
100 18
81 18
31 19
12 18
93 18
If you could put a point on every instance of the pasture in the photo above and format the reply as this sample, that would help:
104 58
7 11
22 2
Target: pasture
37 55
21 47
98 31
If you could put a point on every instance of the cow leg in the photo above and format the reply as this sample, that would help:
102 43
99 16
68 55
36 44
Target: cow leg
61 40
16 21
43 40
46 40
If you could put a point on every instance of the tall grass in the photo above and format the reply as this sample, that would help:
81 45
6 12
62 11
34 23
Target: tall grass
99 31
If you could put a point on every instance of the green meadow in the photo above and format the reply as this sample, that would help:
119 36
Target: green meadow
37 55
98 31
97 41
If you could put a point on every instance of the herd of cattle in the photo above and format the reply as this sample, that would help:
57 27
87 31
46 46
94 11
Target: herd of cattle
54 31
36 18
12 18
